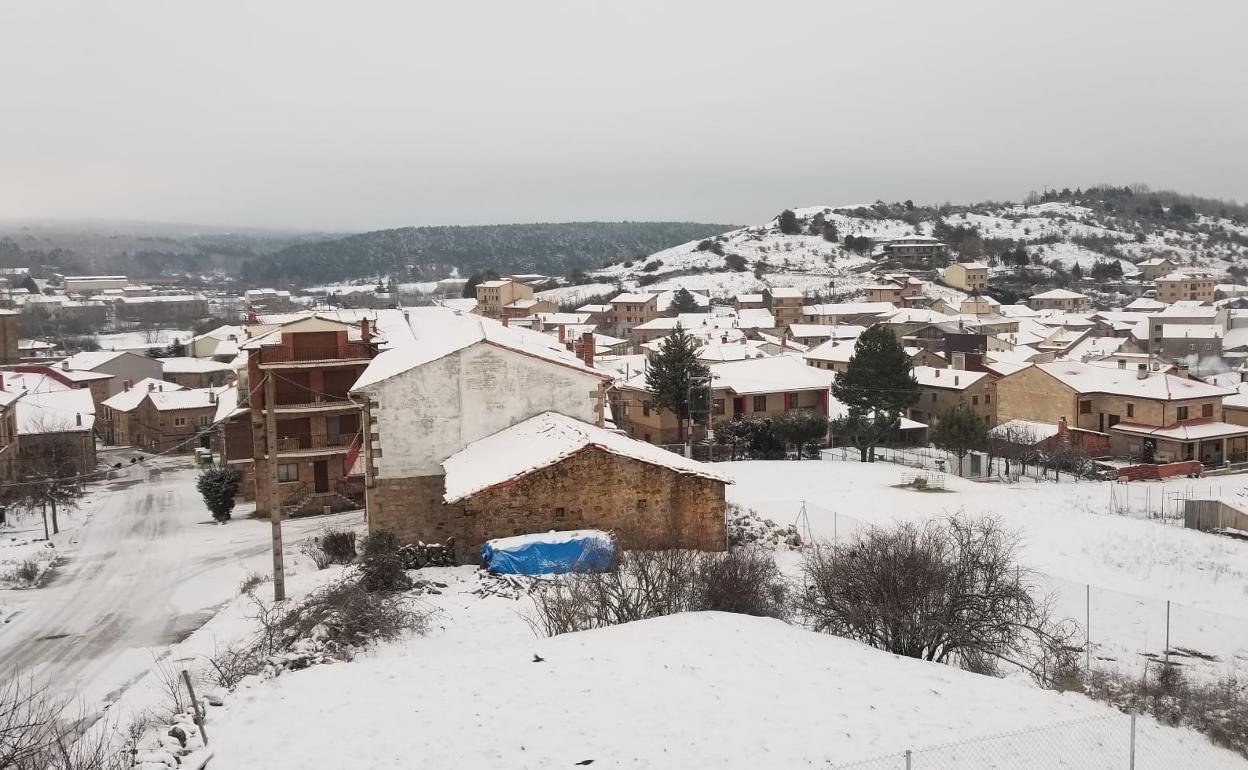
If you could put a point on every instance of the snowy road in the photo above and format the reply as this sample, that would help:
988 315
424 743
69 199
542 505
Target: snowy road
144 570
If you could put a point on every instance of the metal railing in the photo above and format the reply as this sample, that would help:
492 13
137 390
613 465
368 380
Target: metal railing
280 354
319 401
303 443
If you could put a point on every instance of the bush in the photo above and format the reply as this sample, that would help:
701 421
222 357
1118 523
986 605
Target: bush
218 486
26 572
337 546
381 565
949 591
251 582
653 583
652 265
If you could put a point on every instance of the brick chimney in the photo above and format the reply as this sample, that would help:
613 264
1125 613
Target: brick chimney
251 317
366 331
505 319
587 348
1063 431
784 342
151 387
125 385
563 334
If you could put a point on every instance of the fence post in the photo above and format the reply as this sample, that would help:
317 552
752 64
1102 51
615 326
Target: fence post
908 754
1167 651
1131 759
1087 631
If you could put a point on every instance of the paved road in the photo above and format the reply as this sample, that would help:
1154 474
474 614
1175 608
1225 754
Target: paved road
142 572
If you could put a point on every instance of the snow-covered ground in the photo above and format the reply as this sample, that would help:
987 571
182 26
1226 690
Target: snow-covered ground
1130 565
142 565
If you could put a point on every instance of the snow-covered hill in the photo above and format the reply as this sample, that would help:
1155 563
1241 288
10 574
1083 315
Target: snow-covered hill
1055 235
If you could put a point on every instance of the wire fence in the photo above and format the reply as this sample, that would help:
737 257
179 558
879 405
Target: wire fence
976 465
1113 741
1115 630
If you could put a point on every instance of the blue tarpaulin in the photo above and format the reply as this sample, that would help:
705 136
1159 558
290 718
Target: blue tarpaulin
582 550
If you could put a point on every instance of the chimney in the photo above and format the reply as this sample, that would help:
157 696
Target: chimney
1 380
79 418
65 365
563 334
232 338
1141 372
723 339
151 387
366 332
125 385
1063 431
212 396
937 373
784 342
251 317
505 319
587 348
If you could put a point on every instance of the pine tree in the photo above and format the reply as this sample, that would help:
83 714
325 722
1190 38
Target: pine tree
218 486
960 431
674 372
470 288
800 428
877 387
788 223
817 224
830 233
684 302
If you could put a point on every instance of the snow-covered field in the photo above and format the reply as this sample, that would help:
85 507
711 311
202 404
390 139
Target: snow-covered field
1130 566
710 690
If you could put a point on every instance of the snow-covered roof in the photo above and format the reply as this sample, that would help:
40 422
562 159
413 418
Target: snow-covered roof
1017 311
971 265
773 374
542 441
931 377
756 318
1154 262
129 399
593 308
59 411
631 298
1018 429
785 292
1181 276
831 331
1185 430
916 315
435 332
227 404
88 360
1191 331
835 351
1240 399
850 308
493 284
749 298
1059 294
193 398
189 365
1086 378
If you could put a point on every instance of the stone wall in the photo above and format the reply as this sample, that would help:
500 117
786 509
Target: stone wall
642 503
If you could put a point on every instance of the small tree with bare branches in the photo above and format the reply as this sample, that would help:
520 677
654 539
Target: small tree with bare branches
949 591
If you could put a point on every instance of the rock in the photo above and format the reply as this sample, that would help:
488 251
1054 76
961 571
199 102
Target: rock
156 758
215 696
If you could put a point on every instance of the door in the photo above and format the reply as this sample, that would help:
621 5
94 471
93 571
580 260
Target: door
320 475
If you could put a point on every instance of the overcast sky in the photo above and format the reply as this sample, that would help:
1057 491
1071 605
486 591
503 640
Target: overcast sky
357 115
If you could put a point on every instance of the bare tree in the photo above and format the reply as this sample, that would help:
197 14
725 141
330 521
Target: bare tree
49 470
949 591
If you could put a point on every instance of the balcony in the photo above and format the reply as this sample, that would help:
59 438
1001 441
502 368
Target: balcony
319 404
280 355
293 446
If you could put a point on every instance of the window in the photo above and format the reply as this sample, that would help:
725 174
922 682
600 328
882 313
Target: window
717 406
1130 409
974 400
559 513
178 422
1181 413
987 398
641 503
760 403
203 421
288 472
790 400
1085 407
1206 410
645 408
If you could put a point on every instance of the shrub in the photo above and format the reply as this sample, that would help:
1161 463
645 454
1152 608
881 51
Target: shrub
218 487
338 545
251 582
653 583
949 591
652 265
381 565
26 572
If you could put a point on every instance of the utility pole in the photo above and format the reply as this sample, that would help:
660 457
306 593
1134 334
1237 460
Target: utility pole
275 503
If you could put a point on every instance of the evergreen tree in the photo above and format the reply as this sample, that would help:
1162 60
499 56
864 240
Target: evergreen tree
1076 272
218 486
684 302
877 387
800 428
959 432
817 224
674 372
470 288
788 223
830 233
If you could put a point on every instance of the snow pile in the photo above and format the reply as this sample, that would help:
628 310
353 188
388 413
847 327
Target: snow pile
175 744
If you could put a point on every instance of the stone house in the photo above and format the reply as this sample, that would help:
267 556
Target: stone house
860 313
785 304
915 251
122 365
454 381
196 372
553 472
1192 287
1060 299
56 429
116 425
943 389
173 420
524 308
1100 398
901 290
967 276
1152 269
493 296
629 310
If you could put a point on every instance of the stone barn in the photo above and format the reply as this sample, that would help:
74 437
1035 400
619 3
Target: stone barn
553 472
